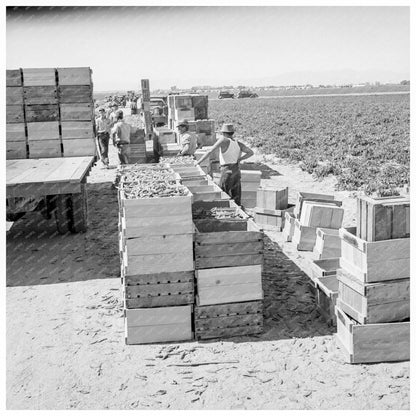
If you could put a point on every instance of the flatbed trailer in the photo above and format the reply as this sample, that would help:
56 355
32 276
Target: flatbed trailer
55 186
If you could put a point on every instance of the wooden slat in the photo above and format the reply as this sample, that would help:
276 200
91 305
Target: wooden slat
47 131
227 236
76 112
65 169
242 308
74 76
40 171
159 316
160 301
154 278
39 76
230 332
220 250
158 333
75 94
42 113
15 132
229 261
16 150
159 244
14 114
40 95
77 129
157 263
15 168
226 322
161 289
14 95
13 78
79 147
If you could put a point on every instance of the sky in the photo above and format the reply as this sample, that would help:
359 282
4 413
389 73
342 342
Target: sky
193 46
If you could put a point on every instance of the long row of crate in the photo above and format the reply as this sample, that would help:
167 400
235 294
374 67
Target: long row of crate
185 276
49 113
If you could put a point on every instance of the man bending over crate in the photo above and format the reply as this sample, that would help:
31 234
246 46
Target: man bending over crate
120 135
231 151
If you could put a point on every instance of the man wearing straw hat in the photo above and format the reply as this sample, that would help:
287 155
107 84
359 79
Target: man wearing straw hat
232 152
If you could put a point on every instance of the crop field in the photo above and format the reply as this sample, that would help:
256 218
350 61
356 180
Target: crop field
363 140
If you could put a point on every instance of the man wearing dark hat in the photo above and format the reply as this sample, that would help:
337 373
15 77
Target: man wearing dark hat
231 151
102 124
187 139
121 137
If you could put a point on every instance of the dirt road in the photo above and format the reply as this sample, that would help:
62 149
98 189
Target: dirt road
65 334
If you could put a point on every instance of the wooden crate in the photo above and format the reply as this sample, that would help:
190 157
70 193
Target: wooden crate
156 216
387 301
227 243
186 172
79 147
47 130
250 176
15 114
77 112
374 261
372 343
13 77
40 95
74 76
308 196
180 101
150 325
324 268
199 100
289 226
42 112
16 150
14 95
272 199
200 113
248 199
271 218
326 297
327 244
77 130
75 94
159 290
158 254
44 149
228 320
15 132
185 113
205 126
383 218
39 76
208 192
321 215
304 237
229 284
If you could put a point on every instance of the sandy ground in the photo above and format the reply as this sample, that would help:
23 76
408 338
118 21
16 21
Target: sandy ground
65 334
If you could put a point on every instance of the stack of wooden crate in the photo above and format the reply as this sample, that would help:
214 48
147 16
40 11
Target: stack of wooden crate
271 206
49 113
137 146
75 98
191 107
16 140
250 182
228 263
314 211
156 248
373 304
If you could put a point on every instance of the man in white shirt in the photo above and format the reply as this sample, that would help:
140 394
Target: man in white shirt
232 152
102 124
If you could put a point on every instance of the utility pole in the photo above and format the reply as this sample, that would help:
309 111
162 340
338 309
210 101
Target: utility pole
147 117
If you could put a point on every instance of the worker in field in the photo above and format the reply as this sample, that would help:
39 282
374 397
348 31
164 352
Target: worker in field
102 124
187 139
232 152
120 135
157 147
113 113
